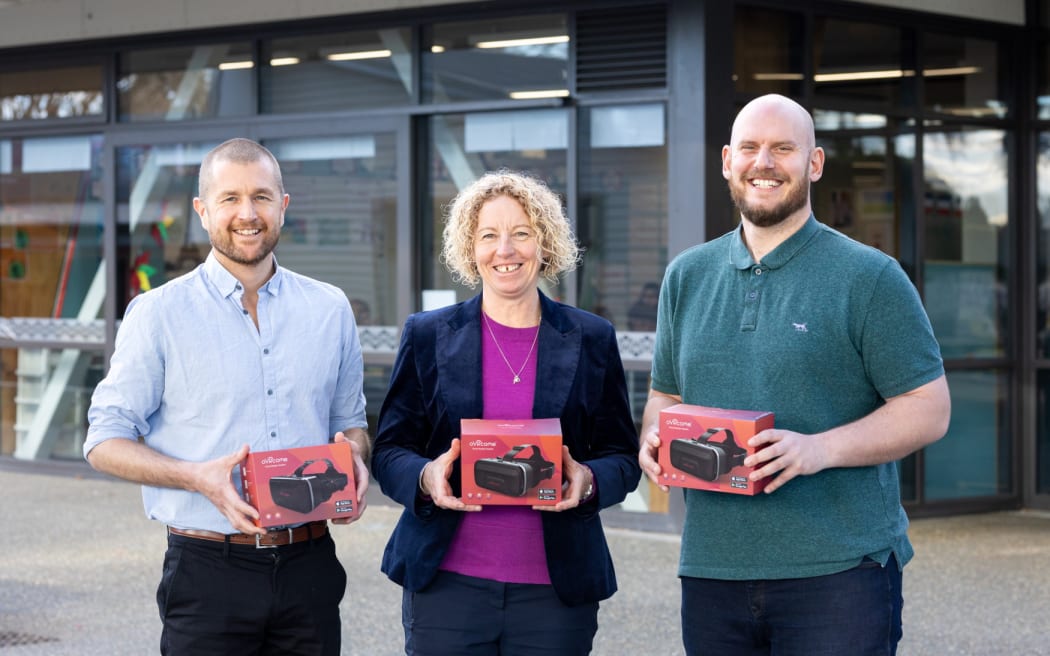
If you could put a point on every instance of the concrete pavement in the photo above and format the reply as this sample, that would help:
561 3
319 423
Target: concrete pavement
80 563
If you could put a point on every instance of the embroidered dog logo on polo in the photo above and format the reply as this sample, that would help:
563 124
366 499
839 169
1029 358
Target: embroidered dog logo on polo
800 327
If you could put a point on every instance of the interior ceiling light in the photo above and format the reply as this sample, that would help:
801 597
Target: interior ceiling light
360 54
236 65
437 49
529 41
284 61
539 93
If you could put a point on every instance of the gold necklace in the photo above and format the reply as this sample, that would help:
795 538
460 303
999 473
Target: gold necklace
517 374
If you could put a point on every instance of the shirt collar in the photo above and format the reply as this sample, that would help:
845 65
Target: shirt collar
740 257
227 284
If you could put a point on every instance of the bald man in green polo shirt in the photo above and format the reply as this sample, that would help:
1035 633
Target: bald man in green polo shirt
786 315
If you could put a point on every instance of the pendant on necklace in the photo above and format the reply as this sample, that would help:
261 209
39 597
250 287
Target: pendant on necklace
517 380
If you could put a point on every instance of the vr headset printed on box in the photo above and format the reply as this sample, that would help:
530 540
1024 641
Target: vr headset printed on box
704 448
511 462
293 486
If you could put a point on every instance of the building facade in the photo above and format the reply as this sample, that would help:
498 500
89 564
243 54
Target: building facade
934 116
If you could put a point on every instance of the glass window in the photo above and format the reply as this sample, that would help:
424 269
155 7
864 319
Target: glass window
767 51
961 76
465 146
861 62
622 222
174 84
51 215
1043 88
974 459
159 236
519 57
44 397
340 226
1042 436
50 93
966 216
861 192
1043 247
52 289
349 70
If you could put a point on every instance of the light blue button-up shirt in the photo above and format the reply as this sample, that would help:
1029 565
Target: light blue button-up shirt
193 376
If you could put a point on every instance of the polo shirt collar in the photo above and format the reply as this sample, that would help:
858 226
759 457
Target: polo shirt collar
779 256
227 284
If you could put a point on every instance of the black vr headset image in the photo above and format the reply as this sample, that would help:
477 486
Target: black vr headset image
704 459
302 493
512 475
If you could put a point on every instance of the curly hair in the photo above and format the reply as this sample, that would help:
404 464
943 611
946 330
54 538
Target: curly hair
558 249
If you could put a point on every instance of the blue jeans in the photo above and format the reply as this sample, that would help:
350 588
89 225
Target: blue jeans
855 612
459 615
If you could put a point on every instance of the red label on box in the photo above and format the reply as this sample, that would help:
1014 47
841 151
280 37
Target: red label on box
511 462
704 448
304 484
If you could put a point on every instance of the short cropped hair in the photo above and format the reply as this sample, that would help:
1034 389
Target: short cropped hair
558 249
242 151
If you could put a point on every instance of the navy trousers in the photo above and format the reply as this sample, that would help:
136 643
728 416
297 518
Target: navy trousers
460 615
855 612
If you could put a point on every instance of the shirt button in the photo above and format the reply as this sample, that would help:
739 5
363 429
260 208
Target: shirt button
273 433
758 272
752 295
266 351
269 392
244 311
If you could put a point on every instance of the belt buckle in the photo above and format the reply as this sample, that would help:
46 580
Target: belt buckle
259 545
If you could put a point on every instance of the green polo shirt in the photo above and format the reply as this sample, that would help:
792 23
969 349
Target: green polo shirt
819 333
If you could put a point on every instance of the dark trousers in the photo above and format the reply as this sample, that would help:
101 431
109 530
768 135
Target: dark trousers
460 615
226 600
856 612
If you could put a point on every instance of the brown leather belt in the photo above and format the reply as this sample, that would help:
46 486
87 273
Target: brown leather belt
278 538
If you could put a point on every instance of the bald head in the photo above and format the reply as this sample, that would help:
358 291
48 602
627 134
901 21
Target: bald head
789 117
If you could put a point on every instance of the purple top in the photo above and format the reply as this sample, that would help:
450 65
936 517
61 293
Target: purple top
503 543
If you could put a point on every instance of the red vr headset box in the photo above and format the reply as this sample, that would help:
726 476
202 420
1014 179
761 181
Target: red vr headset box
511 462
704 448
303 484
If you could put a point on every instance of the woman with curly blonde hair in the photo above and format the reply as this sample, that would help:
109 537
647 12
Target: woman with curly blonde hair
484 579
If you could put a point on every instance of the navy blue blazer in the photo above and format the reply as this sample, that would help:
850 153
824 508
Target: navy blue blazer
436 382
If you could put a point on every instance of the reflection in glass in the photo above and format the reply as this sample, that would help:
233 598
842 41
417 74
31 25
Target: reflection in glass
50 93
44 397
862 62
52 282
50 238
519 57
974 459
961 76
159 236
173 84
859 192
965 212
1043 247
622 222
767 51
349 70
1042 435
340 226
465 146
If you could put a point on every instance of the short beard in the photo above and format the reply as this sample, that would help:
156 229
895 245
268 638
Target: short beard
766 218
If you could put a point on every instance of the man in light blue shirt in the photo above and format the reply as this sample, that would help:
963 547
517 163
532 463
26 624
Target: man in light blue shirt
238 354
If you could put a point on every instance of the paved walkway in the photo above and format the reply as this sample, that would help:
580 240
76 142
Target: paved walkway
79 566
